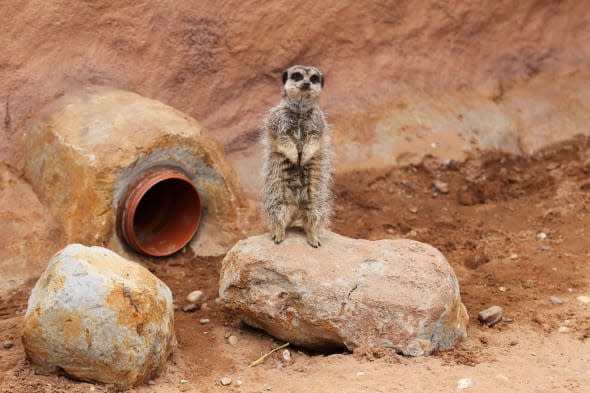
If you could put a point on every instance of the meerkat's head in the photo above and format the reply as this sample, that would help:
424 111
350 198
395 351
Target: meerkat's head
302 82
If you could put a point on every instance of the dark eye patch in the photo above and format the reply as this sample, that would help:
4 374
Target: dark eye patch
314 79
297 76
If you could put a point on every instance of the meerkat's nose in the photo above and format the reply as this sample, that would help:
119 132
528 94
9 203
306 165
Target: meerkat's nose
305 86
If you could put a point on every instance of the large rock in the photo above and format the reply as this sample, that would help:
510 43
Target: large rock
398 294
84 149
98 317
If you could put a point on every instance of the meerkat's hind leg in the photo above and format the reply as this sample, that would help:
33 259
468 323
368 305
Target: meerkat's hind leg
280 220
312 224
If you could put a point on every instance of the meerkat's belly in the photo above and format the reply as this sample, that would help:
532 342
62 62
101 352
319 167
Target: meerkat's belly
296 180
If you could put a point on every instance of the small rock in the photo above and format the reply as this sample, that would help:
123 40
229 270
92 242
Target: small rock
513 256
563 329
413 209
7 344
502 289
196 297
528 284
204 321
555 300
232 340
490 316
584 299
225 381
286 355
204 307
441 186
545 247
183 381
541 236
464 383
151 382
190 308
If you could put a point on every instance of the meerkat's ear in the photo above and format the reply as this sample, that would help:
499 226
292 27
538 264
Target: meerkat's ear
285 76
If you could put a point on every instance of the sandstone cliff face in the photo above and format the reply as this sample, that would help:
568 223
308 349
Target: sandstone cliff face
221 62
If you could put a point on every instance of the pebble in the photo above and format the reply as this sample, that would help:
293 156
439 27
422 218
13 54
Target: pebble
286 355
513 256
502 289
441 186
555 300
584 299
413 209
545 247
225 381
204 321
232 340
464 383
490 316
204 307
183 381
563 329
190 308
196 297
151 382
7 344
541 236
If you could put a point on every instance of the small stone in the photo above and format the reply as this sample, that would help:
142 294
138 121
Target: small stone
204 307
555 300
441 186
7 344
584 299
360 374
286 355
204 321
528 284
196 297
225 381
151 382
490 316
232 340
183 381
563 329
413 209
541 236
239 382
513 256
502 289
545 247
190 308
464 383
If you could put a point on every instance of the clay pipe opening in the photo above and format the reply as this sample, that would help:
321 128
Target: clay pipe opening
160 212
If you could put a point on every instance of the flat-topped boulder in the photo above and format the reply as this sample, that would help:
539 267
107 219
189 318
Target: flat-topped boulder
355 294
99 317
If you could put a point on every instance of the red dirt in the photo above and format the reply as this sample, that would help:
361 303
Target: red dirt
487 225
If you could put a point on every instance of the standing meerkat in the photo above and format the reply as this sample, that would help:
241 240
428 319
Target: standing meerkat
297 157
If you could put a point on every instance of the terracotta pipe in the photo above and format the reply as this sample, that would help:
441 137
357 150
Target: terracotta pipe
160 212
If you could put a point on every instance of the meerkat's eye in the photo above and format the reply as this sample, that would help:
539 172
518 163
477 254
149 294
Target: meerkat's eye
297 76
314 79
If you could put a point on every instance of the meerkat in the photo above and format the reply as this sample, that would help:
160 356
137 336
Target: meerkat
297 169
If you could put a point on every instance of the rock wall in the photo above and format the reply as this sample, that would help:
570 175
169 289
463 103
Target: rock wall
384 60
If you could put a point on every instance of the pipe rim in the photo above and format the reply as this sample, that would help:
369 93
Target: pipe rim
136 191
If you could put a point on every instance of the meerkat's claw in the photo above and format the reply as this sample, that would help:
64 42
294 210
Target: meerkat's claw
278 236
313 241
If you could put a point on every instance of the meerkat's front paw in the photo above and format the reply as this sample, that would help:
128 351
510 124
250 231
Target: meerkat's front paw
278 235
313 240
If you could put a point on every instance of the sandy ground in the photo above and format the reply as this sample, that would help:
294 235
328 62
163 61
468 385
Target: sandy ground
489 224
